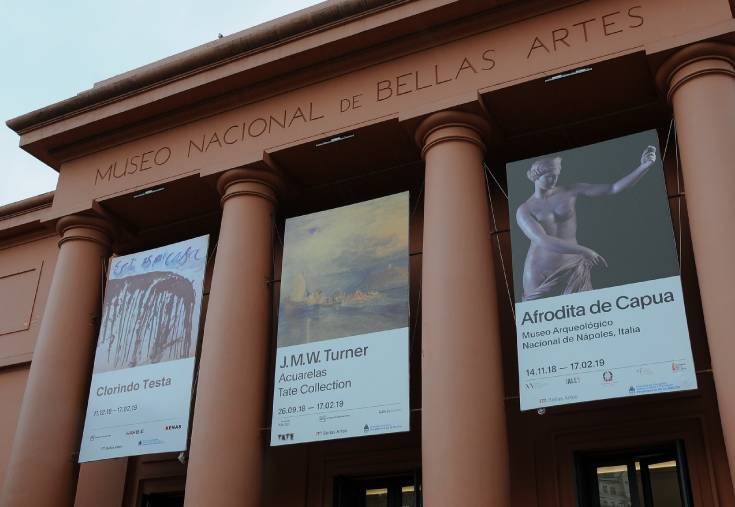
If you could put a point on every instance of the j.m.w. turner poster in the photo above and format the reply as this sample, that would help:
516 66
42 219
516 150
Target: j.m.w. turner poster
342 356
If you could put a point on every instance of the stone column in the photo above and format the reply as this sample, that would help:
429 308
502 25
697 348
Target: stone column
700 81
227 441
464 440
42 471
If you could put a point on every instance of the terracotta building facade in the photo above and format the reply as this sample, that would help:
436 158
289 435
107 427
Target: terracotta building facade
347 101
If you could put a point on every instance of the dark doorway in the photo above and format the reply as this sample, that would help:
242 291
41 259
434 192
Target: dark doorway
653 477
388 491
175 499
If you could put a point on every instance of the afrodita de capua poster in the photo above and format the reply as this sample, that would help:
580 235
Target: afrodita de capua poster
598 299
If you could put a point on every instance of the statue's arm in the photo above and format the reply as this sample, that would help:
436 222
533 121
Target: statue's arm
595 190
533 230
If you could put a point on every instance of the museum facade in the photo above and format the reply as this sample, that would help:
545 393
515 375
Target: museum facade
347 101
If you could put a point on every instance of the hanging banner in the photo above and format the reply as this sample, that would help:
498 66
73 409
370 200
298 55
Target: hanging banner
599 306
342 357
140 395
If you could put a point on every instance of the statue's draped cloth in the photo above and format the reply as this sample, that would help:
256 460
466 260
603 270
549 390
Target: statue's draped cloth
574 276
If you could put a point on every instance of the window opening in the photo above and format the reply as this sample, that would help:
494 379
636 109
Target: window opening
384 491
655 477
174 499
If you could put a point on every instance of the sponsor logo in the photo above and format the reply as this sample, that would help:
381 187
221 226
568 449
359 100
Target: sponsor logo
607 377
631 390
366 428
287 437
152 441
172 427
536 384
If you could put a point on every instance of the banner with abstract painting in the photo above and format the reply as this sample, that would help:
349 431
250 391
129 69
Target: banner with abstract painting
342 357
140 394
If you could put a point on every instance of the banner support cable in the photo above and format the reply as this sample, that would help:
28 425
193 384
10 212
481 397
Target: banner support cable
103 279
413 331
497 238
678 186
495 180
679 194
184 455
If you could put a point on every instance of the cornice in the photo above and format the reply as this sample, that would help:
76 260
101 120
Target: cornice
262 36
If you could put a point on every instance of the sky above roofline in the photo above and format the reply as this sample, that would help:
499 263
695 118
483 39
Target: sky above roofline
53 50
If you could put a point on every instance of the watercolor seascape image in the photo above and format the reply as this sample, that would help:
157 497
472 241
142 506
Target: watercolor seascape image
345 272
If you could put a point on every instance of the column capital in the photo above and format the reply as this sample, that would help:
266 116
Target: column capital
87 228
451 126
691 62
265 183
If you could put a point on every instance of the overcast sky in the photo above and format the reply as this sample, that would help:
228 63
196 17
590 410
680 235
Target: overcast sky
51 50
